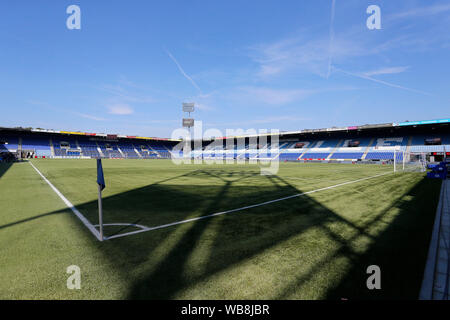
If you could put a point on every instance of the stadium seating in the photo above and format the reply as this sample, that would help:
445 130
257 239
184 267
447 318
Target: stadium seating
35 143
315 155
89 149
377 148
289 156
128 150
11 141
347 155
384 156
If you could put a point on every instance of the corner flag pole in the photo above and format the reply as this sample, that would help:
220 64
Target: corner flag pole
101 186
100 212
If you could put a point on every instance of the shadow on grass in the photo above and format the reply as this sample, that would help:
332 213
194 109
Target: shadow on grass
31 219
400 250
155 262
4 166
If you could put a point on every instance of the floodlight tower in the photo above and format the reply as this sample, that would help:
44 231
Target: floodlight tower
188 122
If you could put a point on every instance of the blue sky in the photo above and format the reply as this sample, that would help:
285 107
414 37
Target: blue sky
284 65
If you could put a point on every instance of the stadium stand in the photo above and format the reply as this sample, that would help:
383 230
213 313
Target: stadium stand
128 150
89 149
308 155
370 143
347 155
289 156
9 142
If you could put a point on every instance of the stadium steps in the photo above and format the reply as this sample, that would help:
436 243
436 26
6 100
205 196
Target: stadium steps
367 149
276 156
78 147
136 150
169 151
159 155
100 152
19 145
306 150
334 149
120 151
52 148
408 146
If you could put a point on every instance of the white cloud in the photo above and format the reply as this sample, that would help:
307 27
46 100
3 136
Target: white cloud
203 107
315 51
273 96
422 11
65 110
124 94
88 116
275 119
388 70
258 96
120 109
258 121
302 52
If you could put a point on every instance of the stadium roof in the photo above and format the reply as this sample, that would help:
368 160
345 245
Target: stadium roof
350 128
332 129
86 133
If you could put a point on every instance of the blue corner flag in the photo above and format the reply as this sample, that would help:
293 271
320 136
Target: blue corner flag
100 178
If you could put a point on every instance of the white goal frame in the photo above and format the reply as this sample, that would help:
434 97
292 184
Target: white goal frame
417 163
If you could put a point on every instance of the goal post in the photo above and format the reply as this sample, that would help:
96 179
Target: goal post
397 152
395 159
409 161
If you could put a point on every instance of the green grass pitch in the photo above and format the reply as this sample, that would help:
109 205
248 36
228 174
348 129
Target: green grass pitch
316 246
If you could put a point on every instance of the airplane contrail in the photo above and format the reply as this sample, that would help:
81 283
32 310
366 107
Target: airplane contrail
330 47
393 85
184 73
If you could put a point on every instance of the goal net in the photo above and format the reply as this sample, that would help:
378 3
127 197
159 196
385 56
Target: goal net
409 161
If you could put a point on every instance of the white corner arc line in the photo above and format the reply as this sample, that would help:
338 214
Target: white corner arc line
70 205
121 224
244 208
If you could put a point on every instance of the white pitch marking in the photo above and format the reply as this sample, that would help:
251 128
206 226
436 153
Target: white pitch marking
123 225
70 205
244 208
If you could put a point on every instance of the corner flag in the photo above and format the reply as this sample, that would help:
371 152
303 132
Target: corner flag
101 186
100 177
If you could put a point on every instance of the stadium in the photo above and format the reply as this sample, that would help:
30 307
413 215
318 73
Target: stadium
225 154
342 199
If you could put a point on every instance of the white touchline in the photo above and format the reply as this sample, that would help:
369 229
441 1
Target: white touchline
70 205
244 208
